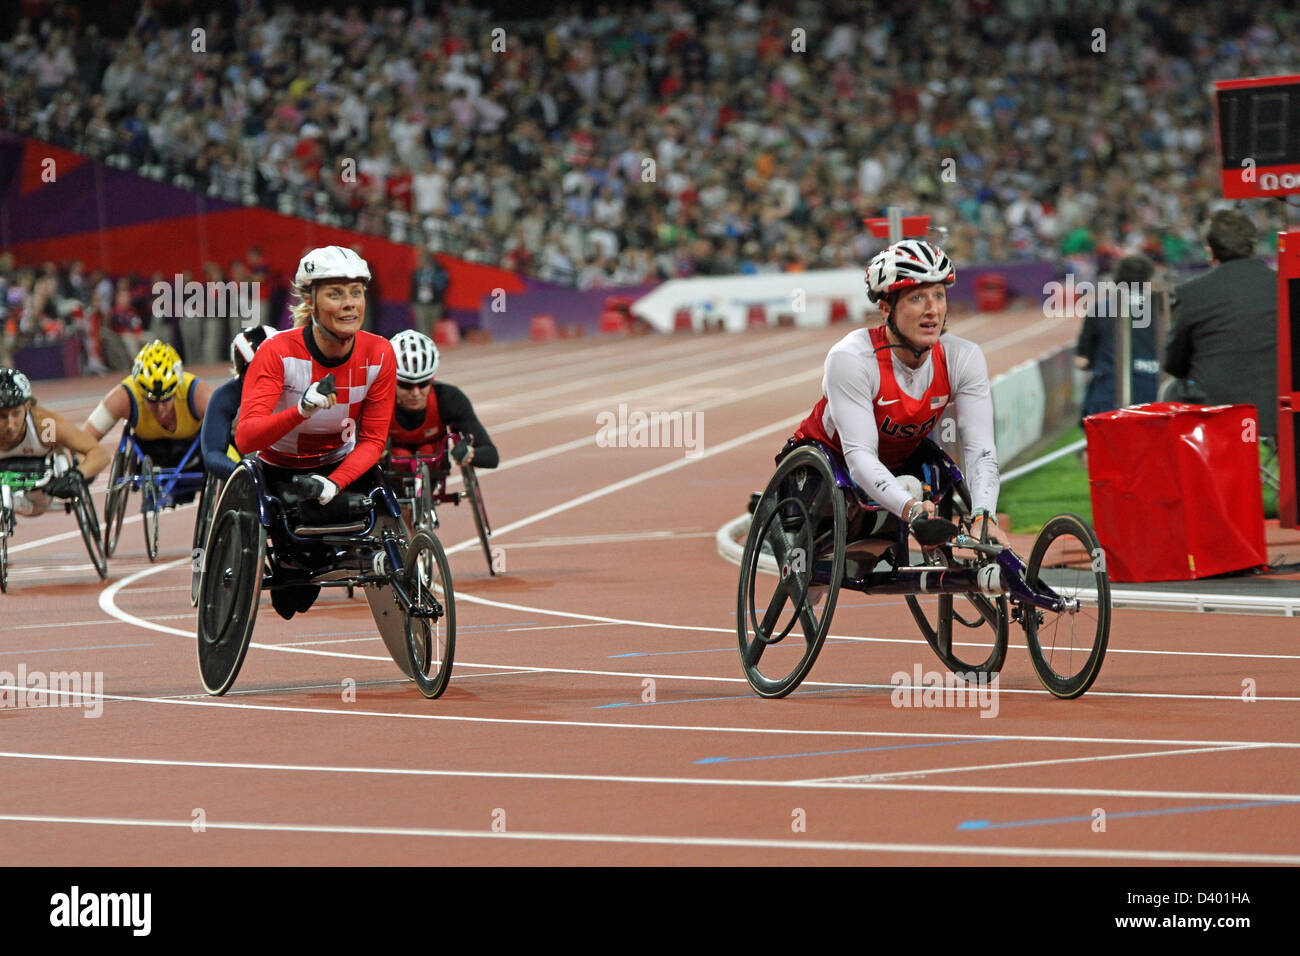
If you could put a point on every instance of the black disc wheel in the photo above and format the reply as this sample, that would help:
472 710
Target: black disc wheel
150 507
121 478
231 585
1068 646
790 573
202 524
84 507
475 495
430 633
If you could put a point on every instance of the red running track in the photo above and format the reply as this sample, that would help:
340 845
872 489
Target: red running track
598 713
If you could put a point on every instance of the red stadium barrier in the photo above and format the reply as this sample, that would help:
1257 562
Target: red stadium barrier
682 321
991 293
542 328
839 310
446 333
757 317
1175 489
613 322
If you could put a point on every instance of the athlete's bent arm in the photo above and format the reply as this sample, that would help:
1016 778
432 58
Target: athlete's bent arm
67 435
372 430
217 421
115 407
850 389
458 413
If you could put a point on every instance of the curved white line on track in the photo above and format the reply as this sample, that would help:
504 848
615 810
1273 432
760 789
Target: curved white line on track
108 604
1178 856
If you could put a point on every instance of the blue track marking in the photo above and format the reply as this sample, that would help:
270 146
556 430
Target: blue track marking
1210 807
711 650
855 750
701 700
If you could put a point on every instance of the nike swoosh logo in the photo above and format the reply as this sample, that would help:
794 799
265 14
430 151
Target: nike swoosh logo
892 401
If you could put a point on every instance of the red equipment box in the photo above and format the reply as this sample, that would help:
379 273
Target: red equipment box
1176 491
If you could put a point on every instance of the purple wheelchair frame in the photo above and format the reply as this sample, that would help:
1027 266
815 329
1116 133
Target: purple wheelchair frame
943 476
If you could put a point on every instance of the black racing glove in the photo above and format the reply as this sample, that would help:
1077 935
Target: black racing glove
66 485
462 452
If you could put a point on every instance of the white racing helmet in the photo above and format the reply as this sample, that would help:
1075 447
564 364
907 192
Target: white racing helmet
907 263
417 356
330 262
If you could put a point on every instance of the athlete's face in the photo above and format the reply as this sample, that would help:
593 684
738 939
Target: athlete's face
12 423
413 397
341 307
920 312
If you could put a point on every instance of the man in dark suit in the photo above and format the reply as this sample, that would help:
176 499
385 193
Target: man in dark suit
1223 346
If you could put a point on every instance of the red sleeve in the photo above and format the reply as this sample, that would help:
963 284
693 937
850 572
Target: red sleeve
372 430
258 427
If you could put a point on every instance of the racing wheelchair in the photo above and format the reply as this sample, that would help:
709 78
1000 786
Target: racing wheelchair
133 470
33 474
815 532
420 483
262 538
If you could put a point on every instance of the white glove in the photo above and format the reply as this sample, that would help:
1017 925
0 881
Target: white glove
323 490
314 400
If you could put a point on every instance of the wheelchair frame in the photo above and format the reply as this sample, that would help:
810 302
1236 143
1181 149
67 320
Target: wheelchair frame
810 559
373 553
426 483
133 470
82 505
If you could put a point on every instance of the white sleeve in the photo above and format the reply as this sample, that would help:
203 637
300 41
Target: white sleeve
968 375
850 386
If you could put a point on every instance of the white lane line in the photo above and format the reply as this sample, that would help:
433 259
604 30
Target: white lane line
107 602
726 446
743 782
869 777
693 728
745 843
668 536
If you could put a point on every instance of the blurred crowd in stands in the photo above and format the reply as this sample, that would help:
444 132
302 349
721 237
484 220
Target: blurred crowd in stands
673 138
112 317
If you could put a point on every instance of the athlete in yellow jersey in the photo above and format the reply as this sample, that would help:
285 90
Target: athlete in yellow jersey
162 403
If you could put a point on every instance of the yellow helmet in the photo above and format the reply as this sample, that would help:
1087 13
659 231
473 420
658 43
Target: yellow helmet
157 370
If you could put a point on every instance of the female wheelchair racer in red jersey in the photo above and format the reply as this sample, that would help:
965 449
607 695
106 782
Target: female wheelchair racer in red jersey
284 417
885 388
427 410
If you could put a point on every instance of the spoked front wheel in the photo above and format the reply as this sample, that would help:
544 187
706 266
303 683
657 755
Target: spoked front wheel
150 508
972 611
430 641
475 495
6 529
790 573
1068 646
120 479
87 521
202 521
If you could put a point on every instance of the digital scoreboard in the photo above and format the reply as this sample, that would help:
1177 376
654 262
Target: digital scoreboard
1259 136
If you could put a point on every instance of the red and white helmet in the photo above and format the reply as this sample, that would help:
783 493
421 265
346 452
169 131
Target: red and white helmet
908 263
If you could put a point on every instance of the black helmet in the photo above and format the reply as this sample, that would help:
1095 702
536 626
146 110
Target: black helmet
15 390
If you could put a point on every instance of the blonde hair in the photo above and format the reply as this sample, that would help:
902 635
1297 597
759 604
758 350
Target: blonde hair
301 309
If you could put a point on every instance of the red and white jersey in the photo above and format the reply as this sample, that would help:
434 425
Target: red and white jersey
875 411
350 435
